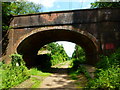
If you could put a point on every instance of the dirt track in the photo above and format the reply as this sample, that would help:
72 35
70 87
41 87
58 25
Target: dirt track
60 79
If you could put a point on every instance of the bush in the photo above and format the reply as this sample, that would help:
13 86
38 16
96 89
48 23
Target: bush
108 73
109 78
108 61
14 73
17 60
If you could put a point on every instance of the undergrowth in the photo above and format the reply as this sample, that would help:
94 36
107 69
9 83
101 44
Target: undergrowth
13 73
108 73
16 72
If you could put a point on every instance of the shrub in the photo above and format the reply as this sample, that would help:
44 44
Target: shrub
14 73
17 60
108 73
109 78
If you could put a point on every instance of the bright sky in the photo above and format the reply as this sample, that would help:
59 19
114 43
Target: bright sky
68 47
60 5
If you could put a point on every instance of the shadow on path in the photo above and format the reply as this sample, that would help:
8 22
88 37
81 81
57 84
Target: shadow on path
58 70
61 80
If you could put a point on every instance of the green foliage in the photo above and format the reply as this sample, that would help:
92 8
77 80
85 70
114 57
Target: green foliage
13 74
14 8
79 54
83 70
24 7
108 73
78 57
105 4
108 61
5 15
109 78
34 71
57 58
17 8
80 70
56 48
20 7
58 54
17 60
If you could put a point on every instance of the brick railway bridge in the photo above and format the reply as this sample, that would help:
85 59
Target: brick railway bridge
97 31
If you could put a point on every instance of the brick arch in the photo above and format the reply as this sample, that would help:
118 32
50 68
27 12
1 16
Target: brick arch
29 44
70 28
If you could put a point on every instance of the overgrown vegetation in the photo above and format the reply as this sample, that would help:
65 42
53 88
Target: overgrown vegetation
16 72
108 72
13 73
78 57
108 69
58 54
77 63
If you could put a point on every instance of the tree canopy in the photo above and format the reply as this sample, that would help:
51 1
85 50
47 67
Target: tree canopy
17 8
101 4
79 54
58 54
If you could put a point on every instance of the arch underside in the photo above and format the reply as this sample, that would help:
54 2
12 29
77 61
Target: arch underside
30 46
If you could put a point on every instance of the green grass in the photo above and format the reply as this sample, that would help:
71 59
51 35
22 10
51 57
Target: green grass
61 64
36 78
1 77
36 81
81 70
35 71
73 76
39 77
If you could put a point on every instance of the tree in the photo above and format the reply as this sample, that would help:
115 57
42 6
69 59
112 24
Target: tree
14 8
56 48
17 8
100 4
78 57
58 54
79 54
24 7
